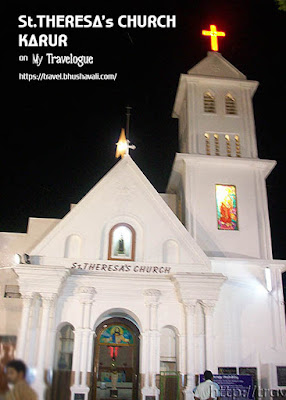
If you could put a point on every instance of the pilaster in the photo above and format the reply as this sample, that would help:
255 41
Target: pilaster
27 299
208 308
152 344
190 310
48 302
83 342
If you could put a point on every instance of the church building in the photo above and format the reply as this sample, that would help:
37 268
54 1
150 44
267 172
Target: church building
134 292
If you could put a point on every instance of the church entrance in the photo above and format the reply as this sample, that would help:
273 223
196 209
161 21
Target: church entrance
116 361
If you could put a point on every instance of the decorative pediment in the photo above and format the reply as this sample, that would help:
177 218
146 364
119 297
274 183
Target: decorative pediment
216 65
123 195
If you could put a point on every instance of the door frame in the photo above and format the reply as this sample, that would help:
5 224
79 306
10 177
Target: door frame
136 353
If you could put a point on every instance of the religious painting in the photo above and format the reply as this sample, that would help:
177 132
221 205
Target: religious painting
7 353
226 204
116 335
121 242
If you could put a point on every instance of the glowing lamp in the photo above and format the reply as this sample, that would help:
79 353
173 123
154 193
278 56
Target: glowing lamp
121 145
268 279
113 351
17 258
213 33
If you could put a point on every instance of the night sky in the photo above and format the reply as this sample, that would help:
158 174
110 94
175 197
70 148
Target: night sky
58 138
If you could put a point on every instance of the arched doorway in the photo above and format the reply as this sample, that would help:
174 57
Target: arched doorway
116 360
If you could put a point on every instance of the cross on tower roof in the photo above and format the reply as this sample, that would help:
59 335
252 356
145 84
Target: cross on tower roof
213 34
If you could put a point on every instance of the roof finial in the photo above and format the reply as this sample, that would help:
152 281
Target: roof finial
128 109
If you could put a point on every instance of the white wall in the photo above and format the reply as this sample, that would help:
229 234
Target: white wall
203 214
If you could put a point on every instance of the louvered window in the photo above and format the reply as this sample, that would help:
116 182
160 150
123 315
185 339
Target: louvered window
230 105
209 103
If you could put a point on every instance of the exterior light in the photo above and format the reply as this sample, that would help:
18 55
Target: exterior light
17 258
268 279
122 145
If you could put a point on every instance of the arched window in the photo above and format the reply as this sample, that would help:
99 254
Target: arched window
168 349
209 103
237 145
122 242
65 348
230 104
216 140
62 373
228 147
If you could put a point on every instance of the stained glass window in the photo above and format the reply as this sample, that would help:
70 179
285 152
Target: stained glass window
226 205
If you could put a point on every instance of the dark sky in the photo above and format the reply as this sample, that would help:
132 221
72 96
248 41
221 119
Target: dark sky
59 137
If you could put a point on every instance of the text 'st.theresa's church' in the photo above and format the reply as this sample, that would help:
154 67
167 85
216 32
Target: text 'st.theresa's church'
135 292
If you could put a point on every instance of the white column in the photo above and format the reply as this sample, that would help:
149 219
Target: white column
87 332
33 338
83 340
47 303
22 337
51 341
144 358
190 308
92 337
76 356
181 356
208 307
151 338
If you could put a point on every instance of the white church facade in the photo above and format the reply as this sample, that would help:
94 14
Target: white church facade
137 292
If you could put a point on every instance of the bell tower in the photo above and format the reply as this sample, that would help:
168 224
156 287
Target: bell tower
214 108
217 176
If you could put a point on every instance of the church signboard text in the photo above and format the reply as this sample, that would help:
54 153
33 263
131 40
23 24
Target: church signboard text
146 269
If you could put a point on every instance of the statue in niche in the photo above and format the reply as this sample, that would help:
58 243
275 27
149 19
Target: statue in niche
121 247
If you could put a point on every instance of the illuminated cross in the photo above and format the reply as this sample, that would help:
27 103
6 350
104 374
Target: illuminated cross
213 34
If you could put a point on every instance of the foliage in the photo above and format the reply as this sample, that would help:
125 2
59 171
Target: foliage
281 4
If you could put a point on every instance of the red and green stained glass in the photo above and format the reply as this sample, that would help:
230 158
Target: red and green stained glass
226 205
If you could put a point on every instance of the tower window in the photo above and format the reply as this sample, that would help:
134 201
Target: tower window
228 148
230 105
208 146
209 103
237 145
121 242
216 139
